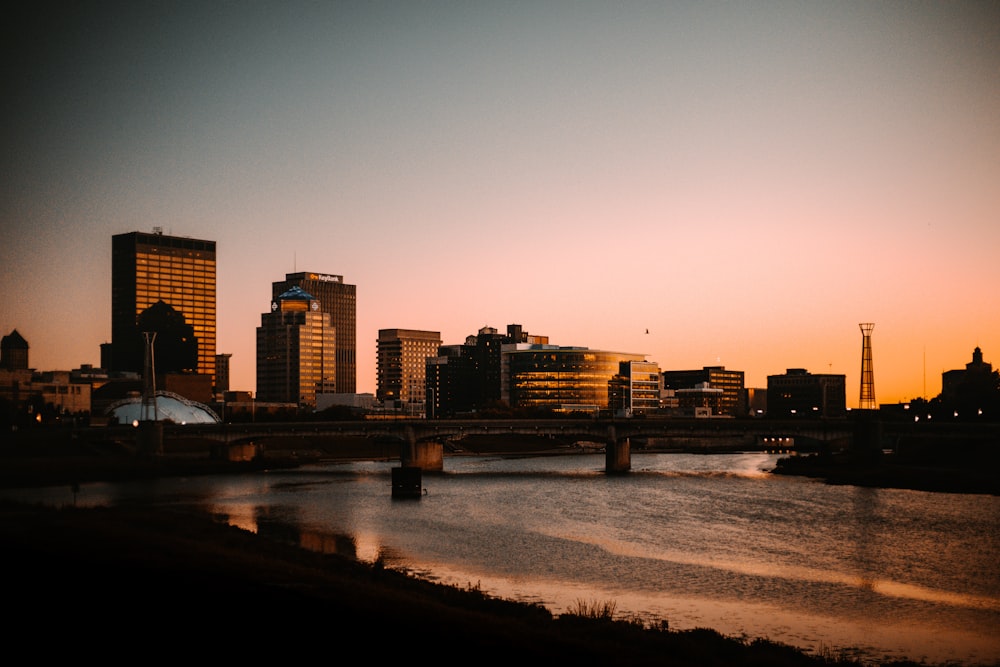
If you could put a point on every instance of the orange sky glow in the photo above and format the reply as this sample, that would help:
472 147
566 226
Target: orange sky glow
748 182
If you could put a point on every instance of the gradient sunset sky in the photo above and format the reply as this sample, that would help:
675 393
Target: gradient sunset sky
748 181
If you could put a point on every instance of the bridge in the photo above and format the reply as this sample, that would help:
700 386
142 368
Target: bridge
421 442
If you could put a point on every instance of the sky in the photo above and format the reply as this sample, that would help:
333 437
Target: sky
746 181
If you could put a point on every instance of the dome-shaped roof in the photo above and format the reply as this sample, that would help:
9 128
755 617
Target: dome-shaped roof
169 407
296 293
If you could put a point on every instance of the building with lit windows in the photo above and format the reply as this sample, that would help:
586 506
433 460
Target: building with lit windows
150 268
339 300
401 366
467 377
636 388
799 393
714 377
295 350
568 379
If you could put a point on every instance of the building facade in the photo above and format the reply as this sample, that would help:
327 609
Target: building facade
715 377
799 393
14 352
295 350
569 379
339 300
636 389
148 268
467 377
401 366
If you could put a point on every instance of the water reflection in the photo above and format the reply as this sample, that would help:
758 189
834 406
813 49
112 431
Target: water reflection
699 540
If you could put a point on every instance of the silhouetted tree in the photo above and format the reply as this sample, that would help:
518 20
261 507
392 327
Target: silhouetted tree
175 347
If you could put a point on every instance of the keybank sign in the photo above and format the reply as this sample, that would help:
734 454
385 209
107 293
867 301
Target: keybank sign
325 278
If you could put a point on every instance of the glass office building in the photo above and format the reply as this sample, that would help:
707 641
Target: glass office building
560 378
151 267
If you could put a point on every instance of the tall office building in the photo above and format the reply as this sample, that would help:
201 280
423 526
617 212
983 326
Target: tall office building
401 363
339 300
295 350
147 268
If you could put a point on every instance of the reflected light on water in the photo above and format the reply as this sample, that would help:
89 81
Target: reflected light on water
369 549
240 516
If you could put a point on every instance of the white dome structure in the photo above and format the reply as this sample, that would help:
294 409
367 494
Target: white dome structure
169 407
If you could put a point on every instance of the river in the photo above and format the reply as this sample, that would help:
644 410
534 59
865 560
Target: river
696 540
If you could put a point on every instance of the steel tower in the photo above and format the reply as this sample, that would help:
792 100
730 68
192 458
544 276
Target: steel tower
867 374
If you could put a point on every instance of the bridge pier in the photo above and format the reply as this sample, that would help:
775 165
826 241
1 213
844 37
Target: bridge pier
423 455
617 454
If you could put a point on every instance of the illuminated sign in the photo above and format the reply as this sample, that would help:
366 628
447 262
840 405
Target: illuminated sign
326 278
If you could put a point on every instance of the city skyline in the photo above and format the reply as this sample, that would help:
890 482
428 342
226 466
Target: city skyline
746 183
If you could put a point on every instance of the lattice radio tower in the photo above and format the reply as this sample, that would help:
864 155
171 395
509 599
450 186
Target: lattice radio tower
867 374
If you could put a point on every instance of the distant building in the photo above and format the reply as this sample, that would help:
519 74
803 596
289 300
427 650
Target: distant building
972 391
360 402
559 378
702 400
148 268
401 366
716 377
14 352
222 373
339 300
799 393
467 377
753 402
295 351
953 382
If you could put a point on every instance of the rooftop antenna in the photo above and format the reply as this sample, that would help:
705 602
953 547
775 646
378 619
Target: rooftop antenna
867 401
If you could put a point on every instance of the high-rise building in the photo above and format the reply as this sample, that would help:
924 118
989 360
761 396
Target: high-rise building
339 300
401 358
148 268
295 350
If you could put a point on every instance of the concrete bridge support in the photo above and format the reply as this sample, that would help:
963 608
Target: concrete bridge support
428 456
617 454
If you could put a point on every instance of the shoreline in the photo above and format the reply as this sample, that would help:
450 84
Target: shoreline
157 567
192 585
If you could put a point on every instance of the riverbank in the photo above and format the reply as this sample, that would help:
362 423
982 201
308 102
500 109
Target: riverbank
131 581
189 586
939 474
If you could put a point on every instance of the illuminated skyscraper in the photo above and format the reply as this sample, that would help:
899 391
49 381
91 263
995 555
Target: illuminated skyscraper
147 268
295 350
339 300
401 364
